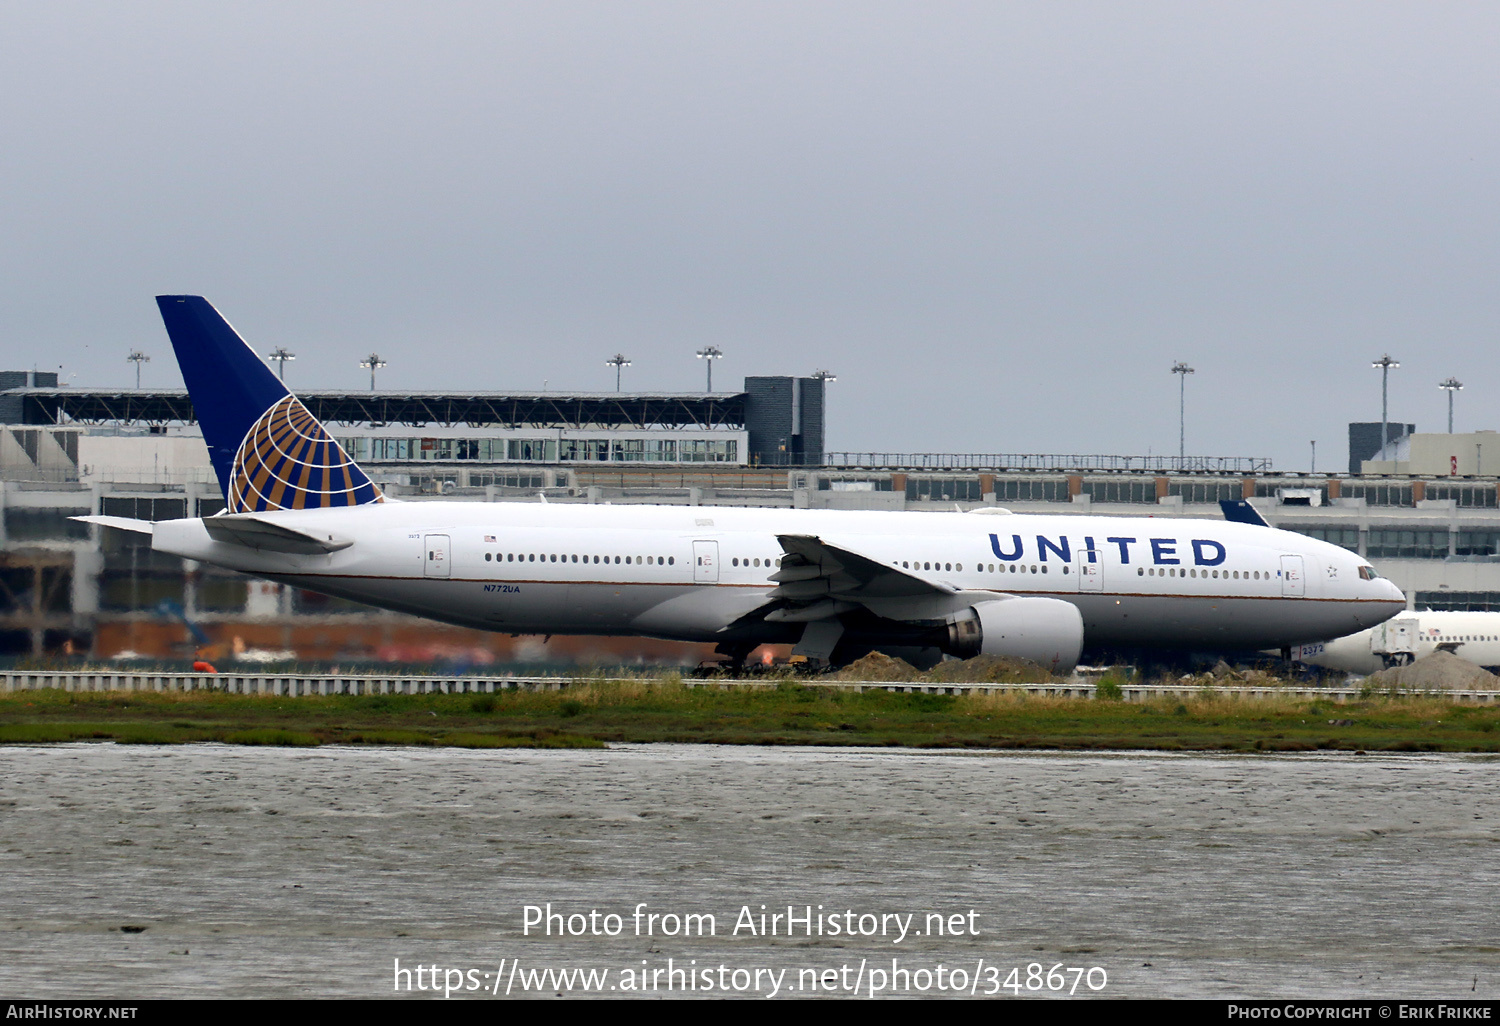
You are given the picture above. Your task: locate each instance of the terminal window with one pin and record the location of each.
(1458, 601)
(1393, 543)
(143, 508)
(943, 489)
(1207, 491)
(702, 450)
(509, 480)
(1477, 543)
(1122, 491)
(1465, 496)
(24, 524)
(1030, 490)
(1379, 495)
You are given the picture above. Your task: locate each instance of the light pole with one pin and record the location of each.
(137, 357)
(1450, 386)
(617, 361)
(281, 355)
(1385, 363)
(1184, 370)
(373, 363)
(1313, 467)
(710, 354)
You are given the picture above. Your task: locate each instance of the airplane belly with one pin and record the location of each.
(604, 608)
(1230, 623)
(525, 607)
(697, 613)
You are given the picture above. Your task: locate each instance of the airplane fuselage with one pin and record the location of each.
(694, 573)
(1472, 636)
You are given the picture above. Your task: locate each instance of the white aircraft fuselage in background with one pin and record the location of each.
(1473, 637)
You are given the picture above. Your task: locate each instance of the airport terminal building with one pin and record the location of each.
(1427, 514)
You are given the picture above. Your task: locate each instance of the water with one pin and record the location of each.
(281, 872)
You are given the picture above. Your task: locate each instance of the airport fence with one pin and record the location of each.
(305, 685)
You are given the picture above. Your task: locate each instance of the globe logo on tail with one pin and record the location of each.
(287, 461)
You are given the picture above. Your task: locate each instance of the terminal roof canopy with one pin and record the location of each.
(716, 410)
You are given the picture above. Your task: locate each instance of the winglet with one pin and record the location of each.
(1239, 511)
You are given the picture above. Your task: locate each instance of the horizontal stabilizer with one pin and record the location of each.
(1239, 511)
(123, 523)
(255, 533)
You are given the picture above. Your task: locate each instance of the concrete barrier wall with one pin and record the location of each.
(297, 686)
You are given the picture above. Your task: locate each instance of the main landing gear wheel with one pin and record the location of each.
(736, 652)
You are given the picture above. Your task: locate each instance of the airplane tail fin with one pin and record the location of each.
(1238, 511)
(268, 451)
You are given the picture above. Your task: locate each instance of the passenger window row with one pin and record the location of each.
(983, 568)
(742, 561)
(513, 557)
(1170, 571)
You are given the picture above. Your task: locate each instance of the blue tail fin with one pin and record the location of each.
(1239, 511)
(267, 449)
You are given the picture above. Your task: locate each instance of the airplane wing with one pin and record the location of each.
(818, 580)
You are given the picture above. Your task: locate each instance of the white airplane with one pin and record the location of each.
(1474, 637)
(835, 583)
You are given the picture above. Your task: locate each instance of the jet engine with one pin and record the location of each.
(1046, 631)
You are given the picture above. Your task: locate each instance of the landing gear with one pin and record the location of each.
(735, 653)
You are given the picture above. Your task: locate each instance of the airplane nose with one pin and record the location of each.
(1393, 593)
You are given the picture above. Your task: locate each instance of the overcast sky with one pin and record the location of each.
(999, 223)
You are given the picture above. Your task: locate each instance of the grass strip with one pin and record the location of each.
(592, 714)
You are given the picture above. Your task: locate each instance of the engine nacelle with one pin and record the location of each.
(1046, 631)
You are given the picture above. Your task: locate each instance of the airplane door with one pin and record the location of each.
(1090, 571)
(437, 550)
(706, 562)
(1292, 583)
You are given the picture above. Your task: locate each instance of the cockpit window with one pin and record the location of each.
(1367, 573)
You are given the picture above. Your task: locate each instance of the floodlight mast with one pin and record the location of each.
(137, 357)
(1385, 363)
(1450, 386)
(617, 361)
(281, 355)
(709, 354)
(1183, 370)
(373, 362)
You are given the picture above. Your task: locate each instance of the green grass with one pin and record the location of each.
(594, 713)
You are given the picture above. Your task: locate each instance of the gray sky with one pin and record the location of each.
(998, 223)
